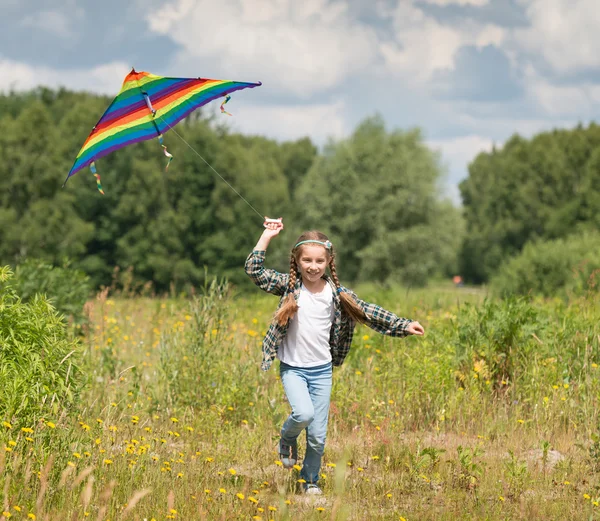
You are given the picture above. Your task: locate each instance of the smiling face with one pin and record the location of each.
(312, 261)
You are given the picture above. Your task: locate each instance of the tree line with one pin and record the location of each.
(378, 194)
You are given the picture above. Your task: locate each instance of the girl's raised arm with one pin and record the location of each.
(266, 279)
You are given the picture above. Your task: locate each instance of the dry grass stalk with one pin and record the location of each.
(171, 500)
(6, 485)
(82, 475)
(65, 474)
(104, 500)
(27, 475)
(133, 501)
(86, 494)
(44, 484)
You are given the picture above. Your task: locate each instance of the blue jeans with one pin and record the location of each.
(308, 389)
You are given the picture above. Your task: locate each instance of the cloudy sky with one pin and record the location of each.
(470, 73)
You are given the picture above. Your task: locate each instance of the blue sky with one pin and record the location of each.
(470, 73)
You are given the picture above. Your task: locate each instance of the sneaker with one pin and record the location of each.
(288, 454)
(313, 490)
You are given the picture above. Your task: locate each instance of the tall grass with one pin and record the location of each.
(492, 415)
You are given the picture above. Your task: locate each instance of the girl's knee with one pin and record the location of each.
(304, 416)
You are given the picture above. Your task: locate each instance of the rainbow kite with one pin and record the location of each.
(146, 107)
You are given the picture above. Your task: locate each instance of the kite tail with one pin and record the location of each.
(223, 111)
(167, 154)
(97, 176)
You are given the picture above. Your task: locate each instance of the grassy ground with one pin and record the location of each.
(492, 415)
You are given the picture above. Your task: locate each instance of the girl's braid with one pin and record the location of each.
(348, 303)
(289, 307)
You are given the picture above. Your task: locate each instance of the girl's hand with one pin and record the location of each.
(272, 229)
(414, 328)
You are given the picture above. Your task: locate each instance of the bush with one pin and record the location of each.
(66, 288)
(38, 360)
(562, 266)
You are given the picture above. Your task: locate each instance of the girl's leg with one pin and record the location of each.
(296, 390)
(319, 388)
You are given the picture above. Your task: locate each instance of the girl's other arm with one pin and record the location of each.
(386, 323)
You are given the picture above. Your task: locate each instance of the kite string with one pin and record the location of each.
(211, 167)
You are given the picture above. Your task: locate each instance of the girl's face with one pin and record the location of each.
(312, 261)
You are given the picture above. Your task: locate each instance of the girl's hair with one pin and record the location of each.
(289, 307)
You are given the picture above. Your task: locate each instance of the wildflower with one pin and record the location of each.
(239, 495)
(389, 496)
(207, 491)
(301, 480)
(365, 337)
(12, 443)
(297, 467)
(279, 463)
(100, 422)
(31, 515)
(331, 465)
(222, 490)
(113, 404)
(585, 496)
(189, 429)
(51, 425)
(521, 421)
(287, 502)
(208, 460)
(174, 420)
(135, 419)
(6, 514)
(501, 498)
(113, 428)
(320, 509)
(108, 462)
(374, 458)
(272, 509)
(85, 427)
(7, 449)
(180, 475)
(26, 430)
(7, 425)
(17, 508)
(358, 373)
(253, 500)
(232, 472)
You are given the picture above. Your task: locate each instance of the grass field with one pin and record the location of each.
(492, 415)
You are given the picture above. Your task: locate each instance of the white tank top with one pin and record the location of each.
(307, 341)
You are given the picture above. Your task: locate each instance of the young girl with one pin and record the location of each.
(311, 331)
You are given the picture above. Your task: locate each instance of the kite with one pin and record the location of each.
(146, 107)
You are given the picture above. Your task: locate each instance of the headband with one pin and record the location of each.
(327, 244)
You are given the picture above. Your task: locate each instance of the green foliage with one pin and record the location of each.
(496, 337)
(64, 286)
(556, 267)
(539, 189)
(376, 196)
(39, 371)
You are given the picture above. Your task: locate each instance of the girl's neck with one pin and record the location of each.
(314, 287)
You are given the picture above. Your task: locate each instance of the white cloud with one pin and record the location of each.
(105, 79)
(304, 47)
(562, 100)
(423, 45)
(564, 32)
(318, 121)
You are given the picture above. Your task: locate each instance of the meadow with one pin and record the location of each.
(492, 415)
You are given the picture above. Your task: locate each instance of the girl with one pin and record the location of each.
(311, 331)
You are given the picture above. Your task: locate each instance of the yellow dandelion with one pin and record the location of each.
(374, 458)
(7, 425)
(239, 495)
(26, 430)
(279, 463)
(51, 425)
(297, 467)
(301, 480)
(365, 337)
(6, 514)
(17, 508)
(272, 509)
(222, 490)
(108, 462)
(253, 500)
(207, 491)
(31, 515)
(320, 509)
(232, 472)
(586, 496)
(12, 443)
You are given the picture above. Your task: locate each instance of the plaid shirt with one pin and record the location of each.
(342, 329)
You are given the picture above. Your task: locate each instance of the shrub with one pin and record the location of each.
(66, 288)
(39, 374)
(562, 266)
